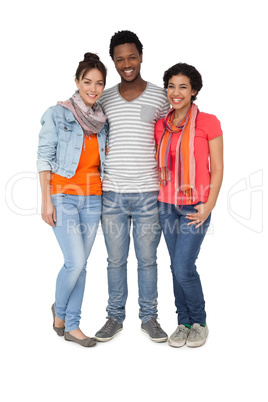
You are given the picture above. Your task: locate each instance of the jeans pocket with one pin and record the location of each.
(58, 195)
(57, 199)
(189, 209)
(110, 200)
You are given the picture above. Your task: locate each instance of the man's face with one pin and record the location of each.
(127, 61)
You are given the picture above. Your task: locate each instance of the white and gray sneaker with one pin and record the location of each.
(197, 336)
(179, 337)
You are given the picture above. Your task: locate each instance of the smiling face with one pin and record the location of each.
(127, 61)
(179, 93)
(91, 86)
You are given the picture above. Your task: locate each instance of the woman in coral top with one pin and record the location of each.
(71, 154)
(190, 163)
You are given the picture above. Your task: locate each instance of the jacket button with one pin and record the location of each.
(102, 149)
(98, 135)
(65, 128)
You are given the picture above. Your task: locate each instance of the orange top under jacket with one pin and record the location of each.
(86, 180)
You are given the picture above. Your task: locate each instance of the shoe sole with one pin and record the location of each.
(195, 345)
(157, 340)
(175, 344)
(78, 343)
(87, 343)
(107, 339)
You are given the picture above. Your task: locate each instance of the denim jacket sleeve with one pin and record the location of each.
(48, 141)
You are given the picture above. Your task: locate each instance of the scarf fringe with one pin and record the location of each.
(163, 175)
(188, 195)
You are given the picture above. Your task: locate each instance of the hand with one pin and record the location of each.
(48, 213)
(199, 217)
(107, 150)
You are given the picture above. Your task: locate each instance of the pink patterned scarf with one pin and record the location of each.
(90, 119)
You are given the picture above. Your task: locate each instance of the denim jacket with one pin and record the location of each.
(61, 142)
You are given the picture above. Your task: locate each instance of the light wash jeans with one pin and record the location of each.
(76, 227)
(183, 243)
(118, 211)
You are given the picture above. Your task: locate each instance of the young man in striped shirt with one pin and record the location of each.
(130, 186)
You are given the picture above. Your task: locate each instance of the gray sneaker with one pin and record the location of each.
(153, 329)
(197, 336)
(108, 331)
(179, 337)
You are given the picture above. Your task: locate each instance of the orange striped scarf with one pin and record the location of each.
(185, 162)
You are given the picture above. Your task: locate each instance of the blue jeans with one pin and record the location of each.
(118, 211)
(76, 227)
(183, 243)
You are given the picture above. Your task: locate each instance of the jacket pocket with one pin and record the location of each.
(64, 131)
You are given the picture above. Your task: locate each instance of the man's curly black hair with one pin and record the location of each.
(187, 70)
(122, 37)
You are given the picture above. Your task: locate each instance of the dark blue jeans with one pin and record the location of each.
(184, 242)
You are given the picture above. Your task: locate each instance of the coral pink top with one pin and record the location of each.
(207, 128)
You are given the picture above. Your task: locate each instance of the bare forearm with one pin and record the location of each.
(44, 178)
(48, 211)
(215, 186)
(216, 168)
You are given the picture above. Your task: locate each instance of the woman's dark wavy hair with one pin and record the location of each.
(91, 61)
(122, 37)
(187, 70)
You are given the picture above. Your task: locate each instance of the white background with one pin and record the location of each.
(42, 43)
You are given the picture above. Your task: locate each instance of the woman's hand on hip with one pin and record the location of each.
(199, 217)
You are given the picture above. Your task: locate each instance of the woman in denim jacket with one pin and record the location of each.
(71, 154)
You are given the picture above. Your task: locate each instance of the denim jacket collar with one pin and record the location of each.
(69, 115)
